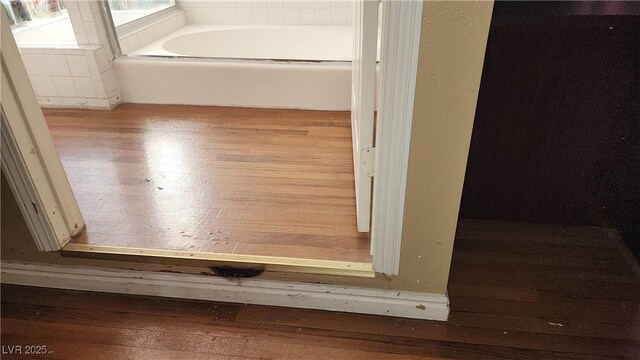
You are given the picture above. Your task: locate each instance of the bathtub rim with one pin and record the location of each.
(226, 60)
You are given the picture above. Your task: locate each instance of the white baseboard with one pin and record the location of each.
(78, 103)
(214, 288)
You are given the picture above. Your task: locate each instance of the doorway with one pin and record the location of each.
(95, 252)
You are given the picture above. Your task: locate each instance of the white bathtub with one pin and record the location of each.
(300, 67)
(274, 42)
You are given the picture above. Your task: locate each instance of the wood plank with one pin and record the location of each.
(175, 177)
(115, 302)
(272, 341)
(515, 338)
(498, 312)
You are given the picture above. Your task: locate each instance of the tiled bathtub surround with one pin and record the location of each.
(154, 30)
(82, 76)
(73, 77)
(268, 12)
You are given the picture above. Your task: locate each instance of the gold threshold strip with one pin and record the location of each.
(204, 259)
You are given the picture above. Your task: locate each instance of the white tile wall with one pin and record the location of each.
(58, 65)
(260, 16)
(276, 15)
(63, 77)
(307, 16)
(291, 16)
(44, 86)
(80, 76)
(37, 63)
(323, 16)
(85, 10)
(150, 32)
(85, 87)
(245, 16)
(102, 60)
(230, 16)
(78, 66)
(81, 18)
(65, 86)
(273, 12)
(110, 82)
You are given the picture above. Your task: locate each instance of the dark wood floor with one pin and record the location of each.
(516, 291)
(210, 179)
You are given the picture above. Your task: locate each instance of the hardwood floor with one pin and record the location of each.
(516, 292)
(210, 179)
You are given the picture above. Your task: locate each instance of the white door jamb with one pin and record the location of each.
(400, 37)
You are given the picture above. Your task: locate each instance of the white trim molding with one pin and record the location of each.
(401, 28)
(214, 288)
(29, 158)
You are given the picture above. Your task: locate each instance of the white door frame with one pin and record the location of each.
(36, 176)
(400, 45)
(363, 99)
(29, 159)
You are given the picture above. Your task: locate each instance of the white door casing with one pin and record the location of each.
(399, 50)
(363, 90)
(29, 159)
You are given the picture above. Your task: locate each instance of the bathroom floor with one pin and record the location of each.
(211, 179)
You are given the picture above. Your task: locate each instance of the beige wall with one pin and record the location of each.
(451, 56)
(452, 48)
